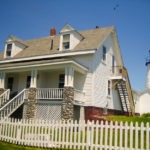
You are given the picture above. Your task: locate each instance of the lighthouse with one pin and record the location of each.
(148, 71)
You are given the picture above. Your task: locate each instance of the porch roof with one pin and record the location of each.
(42, 65)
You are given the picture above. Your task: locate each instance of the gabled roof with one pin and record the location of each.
(67, 28)
(15, 39)
(42, 46)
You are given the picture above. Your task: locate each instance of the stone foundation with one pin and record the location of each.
(30, 105)
(67, 106)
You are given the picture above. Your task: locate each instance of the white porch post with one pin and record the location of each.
(30, 103)
(33, 79)
(82, 115)
(2, 80)
(69, 76)
(67, 106)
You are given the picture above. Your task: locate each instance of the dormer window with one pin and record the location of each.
(66, 41)
(8, 50)
(69, 38)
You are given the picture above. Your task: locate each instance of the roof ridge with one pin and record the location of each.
(96, 29)
(46, 37)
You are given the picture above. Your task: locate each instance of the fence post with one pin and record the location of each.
(18, 132)
(88, 135)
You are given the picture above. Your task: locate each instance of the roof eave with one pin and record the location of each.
(56, 55)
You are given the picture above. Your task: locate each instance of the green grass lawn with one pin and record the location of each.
(129, 119)
(7, 146)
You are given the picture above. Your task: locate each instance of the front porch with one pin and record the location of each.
(46, 92)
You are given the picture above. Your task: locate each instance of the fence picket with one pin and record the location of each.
(126, 135)
(148, 135)
(131, 135)
(101, 135)
(142, 135)
(136, 135)
(121, 135)
(111, 134)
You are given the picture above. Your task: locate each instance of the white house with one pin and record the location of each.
(70, 75)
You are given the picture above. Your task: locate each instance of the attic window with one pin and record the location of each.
(8, 49)
(66, 41)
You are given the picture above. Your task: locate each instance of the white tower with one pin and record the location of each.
(148, 71)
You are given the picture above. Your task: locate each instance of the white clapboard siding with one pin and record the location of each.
(76, 135)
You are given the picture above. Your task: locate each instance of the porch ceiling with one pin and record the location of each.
(42, 65)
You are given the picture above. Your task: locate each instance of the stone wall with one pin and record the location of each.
(30, 105)
(67, 106)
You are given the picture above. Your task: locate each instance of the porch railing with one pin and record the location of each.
(4, 97)
(13, 104)
(79, 96)
(49, 93)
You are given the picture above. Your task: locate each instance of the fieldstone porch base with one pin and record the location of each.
(67, 106)
(30, 105)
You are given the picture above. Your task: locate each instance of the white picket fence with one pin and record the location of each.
(73, 135)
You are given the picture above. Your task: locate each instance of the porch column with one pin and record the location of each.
(82, 114)
(2, 82)
(68, 108)
(33, 79)
(30, 103)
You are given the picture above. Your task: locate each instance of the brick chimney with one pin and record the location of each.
(52, 31)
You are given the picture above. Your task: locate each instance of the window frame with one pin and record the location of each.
(66, 41)
(9, 49)
(109, 88)
(104, 51)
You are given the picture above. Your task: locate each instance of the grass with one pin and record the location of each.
(7, 146)
(124, 119)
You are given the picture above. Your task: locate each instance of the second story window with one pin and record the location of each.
(109, 88)
(104, 53)
(8, 49)
(66, 41)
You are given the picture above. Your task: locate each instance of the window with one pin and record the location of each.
(113, 64)
(66, 41)
(109, 88)
(61, 80)
(8, 49)
(104, 53)
(28, 81)
(10, 83)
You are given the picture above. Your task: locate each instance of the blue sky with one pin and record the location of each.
(27, 19)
